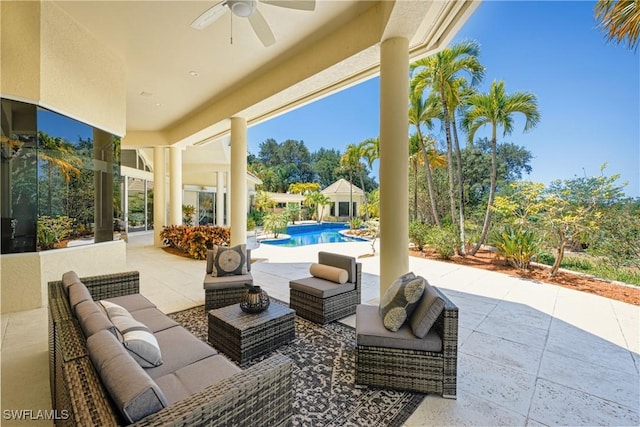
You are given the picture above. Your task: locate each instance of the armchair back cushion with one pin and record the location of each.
(340, 261)
(426, 312)
(212, 254)
(399, 301)
(135, 394)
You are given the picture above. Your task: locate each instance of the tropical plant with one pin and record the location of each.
(53, 230)
(518, 246)
(195, 241)
(303, 187)
(187, 214)
(369, 151)
(496, 108)
(264, 201)
(419, 234)
(355, 223)
(293, 211)
(373, 204)
(443, 240)
(315, 200)
(619, 20)
(275, 223)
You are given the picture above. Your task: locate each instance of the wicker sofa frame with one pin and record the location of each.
(326, 310)
(411, 370)
(258, 396)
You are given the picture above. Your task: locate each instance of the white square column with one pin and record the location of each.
(238, 181)
(175, 186)
(394, 152)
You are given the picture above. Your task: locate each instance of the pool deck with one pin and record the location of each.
(530, 353)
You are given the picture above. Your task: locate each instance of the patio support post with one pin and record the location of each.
(394, 152)
(219, 198)
(159, 201)
(238, 180)
(228, 198)
(175, 185)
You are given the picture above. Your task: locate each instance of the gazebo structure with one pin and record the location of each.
(346, 199)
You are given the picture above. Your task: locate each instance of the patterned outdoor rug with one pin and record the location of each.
(324, 377)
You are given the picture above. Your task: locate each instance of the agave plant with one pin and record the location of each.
(518, 246)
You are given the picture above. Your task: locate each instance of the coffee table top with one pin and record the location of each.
(233, 315)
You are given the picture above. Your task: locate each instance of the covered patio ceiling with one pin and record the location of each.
(184, 84)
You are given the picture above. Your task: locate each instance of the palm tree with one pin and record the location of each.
(497, 109)
(369, 151)
(317, 199)
(350, 160)
(441, 73)
(422, 113)
(620, 20)
(59, 154)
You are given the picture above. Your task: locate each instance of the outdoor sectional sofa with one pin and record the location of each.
(95, 381)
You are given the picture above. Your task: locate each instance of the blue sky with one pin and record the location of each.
(588, 93)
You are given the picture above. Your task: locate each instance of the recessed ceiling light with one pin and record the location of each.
(145, 93)
(158, 104)
(194, 73)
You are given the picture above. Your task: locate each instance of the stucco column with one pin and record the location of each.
(159, 199)
(220, 198)
(238, 180)
(227, 197)
(103, 185)
(175, 186)
(394, 152)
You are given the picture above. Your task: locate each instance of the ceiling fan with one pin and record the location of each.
(249, 9)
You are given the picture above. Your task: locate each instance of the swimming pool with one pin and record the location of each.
(312, 234)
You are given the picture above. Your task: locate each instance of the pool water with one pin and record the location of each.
(313, 234)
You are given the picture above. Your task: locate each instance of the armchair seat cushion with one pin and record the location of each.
(320, 288)
(371, 332)
(226, 282)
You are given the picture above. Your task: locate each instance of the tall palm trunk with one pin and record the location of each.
(447, 129)
(366, 205)
(350, 194)
(492, 190)
(414, 166)
(432, 197)
(460, 186)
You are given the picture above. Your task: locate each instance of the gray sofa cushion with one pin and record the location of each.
(179, 348)
(135, 336)
(371, 332)
(226, 282)
(154, 319)
(427, 311)
(399, 301)
(319, 287)
(135, 394)
(68, 279)
(228, 261)
(78, 293)
(132, 302)
(341, 261)
(92, 318)
(195, 377)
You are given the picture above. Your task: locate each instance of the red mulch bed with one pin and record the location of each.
(488, 260)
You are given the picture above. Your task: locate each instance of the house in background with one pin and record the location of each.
(346, 199)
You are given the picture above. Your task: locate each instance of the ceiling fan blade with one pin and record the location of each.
(209, 16)
(293, 4)
(261, 28)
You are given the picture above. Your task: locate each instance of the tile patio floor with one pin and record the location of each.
(529, 353)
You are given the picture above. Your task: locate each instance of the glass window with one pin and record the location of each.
(60, 180)
(343, 208)
(205, 208)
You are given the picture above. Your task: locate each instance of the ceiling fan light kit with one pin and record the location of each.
(249, 9)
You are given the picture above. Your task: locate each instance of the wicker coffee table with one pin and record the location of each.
(243, 336)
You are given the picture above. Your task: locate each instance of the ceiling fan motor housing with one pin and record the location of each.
(242, 8)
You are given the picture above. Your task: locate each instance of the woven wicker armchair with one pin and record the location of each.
(321, 301)
(411, 370)
(225, 290)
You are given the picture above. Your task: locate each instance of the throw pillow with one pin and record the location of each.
(399, 301)
(426, 312)
(327, 272)
(136, 337)
(229, 261)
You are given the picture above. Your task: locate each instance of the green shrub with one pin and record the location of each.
(53, 230)
(293, 211)
(518, 246)
(195, 241)
(187, 214)
(256, 216)
(419, 234)
(275, 223)
(355, 223)
(251, 224)
(443, 240)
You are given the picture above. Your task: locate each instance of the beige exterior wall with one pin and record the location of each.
(24, 277)
(50, 60)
